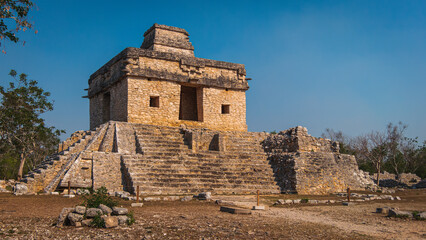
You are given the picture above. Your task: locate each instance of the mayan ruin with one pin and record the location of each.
(212, 120)
(171, 123)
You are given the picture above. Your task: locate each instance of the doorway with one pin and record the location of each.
(190, 107)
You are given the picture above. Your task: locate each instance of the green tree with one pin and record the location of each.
(14, 18)
(25, 139)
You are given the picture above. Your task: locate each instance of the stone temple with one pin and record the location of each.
(171, 123)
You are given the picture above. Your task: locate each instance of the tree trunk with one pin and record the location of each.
(21, 166)
(378, 173)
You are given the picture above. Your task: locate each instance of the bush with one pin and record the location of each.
(304, 200)
(98, 221)
(416, 215)
(130, 218)
(100, 196)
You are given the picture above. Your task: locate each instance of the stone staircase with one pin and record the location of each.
(44, 177)
(166, 164)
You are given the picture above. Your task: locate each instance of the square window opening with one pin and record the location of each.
(225, 108)
(154, 101)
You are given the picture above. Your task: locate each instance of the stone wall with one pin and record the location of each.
(167, 114)
(298, 139)
(307, 165)
(117, 106)
(107, 171)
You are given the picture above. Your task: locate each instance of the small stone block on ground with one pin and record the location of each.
(348, 203)
(69, 195)
(137, 204)
(259, 208)
(235, 210)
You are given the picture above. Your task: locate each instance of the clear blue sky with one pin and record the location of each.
(347, 65)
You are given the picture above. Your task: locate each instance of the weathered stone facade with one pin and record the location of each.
(172, 123)
(307, 165)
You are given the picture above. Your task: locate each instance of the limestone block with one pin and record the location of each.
(63, 216)
(110, 221)
(93, 212)
(80, 209)
(122, 219)
(105, 209)
(119, 211)
(74, 218)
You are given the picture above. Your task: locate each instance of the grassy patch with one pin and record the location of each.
(130, 218)
(98, 222)
(100, 196)
(416, 215)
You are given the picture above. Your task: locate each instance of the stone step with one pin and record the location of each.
(207, 178)
(146, 190)
(182, 158)
(199, 167)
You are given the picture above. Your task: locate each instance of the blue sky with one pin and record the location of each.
(347, 65)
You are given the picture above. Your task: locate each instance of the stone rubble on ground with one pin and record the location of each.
(76, 216)
(355, 197)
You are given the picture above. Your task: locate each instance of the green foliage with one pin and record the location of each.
(388, 150)
(416, 215)
(130, 218)
(24, 138)
(273, 132)
(98, 222)
(13, 18)
(304, 200)
(100, 196)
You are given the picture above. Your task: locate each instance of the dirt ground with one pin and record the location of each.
(32, 217)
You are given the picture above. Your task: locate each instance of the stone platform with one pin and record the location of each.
(178, 160)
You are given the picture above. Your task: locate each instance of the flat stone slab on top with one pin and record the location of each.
(235, 210)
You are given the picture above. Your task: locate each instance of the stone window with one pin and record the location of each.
(225, 108)
(154, 101)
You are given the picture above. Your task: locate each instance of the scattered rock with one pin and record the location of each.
(119, 211)
(86, 222)
(20, 188)
(63, 216)
(384, 210)
(171, 198)
(122, 220)
(105, 209)
(80, 209)
(186, 198)
(398, 213)
(74, 218)
(297, 200)
(110, 221)
(69, 195)
(204, 196)
(288, 201)
(398, 198)
(93, 212)
(235, 210)
(54, 193)
(151, 199)
(137, 204)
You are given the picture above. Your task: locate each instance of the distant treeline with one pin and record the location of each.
(389, 150)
